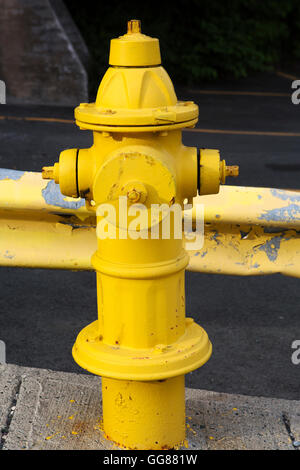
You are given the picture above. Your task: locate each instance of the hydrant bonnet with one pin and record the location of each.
(136, 93)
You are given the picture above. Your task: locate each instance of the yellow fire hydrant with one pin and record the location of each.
(142, 344)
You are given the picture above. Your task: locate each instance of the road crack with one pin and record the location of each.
(287, 425)
(10, 414)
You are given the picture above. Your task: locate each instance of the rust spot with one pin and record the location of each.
(150, 160)
(146, 357)
(107, 111)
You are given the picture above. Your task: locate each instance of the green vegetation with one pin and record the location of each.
(200, 39)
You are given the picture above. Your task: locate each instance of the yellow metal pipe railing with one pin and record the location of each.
(251, 230)
(41, 228)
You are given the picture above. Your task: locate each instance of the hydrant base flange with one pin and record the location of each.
(191, 351)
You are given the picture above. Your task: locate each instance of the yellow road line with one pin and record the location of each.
(286, 75)
(241, 93)
(232, 131)
(196, 129)
(67, 121)
(38, 119)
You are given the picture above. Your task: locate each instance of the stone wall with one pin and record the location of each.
(41, 54)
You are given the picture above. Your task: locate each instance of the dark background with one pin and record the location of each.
(201, 40)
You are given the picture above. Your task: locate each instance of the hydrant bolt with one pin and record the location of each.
(48, 172)
(133, 26)
(133, 195)
(51, 172)
(226, 170)
(232, 170)
(136, 192)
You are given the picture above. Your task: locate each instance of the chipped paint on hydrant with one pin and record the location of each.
(142, 343)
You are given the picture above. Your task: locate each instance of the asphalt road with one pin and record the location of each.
(252, 321)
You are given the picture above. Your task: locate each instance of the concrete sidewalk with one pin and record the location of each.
(42, 409)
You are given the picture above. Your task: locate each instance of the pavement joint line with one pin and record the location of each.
(36, 408)
(196, 129)
(10, 413)
(287, 425)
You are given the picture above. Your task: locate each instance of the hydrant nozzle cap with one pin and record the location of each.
(134, 49)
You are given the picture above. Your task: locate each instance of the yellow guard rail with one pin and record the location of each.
(253, 230)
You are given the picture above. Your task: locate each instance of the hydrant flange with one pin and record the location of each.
(158, 363)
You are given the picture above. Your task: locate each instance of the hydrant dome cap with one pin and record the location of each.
(134, 49)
